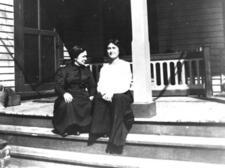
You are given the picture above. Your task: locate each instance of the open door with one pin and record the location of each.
(37, 48)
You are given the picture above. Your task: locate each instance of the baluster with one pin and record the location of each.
(198, 72)
(183, 77)
(161, 73)
(175, 63)
(190, 72)
(154, 73)
(201, 73)
(168, 72)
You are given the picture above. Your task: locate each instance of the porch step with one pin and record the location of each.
(98, 160)
(184, 148)
(35, 162)
(182, 116)
(141, 125)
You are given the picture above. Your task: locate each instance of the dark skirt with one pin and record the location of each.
(74, 116)
(114, 119)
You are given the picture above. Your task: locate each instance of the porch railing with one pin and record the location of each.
(172, 71)
(175, 71)
(177, 74)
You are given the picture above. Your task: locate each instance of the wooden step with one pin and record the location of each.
(33, 162)
(142, 125)
(99, 160)
(186, 148)
(182, 116)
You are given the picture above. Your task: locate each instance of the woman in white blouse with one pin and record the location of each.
(112, 114)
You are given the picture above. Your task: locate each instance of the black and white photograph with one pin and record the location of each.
(112, 83)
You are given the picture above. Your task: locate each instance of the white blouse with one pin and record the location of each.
(115, 77)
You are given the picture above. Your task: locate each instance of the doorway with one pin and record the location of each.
(37, 48)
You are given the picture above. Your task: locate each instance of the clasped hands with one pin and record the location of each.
(69, 98)
(107, 96)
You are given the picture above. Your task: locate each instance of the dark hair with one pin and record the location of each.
(75, 51)
(115, 41)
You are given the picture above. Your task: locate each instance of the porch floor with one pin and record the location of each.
(168, 109)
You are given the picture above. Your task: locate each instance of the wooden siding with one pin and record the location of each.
(7, 72)
(190, 24)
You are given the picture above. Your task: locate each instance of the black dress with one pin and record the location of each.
(113, 119)
(74, 116)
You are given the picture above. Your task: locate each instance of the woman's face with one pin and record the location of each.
(82, 58)
(113, 51)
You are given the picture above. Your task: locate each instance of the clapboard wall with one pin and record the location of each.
(7, 74)
(191, 24)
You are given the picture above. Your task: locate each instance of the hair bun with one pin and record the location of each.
(75, 51)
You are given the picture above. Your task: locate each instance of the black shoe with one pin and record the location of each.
(73, 131)
(64, 134)
(57, 132)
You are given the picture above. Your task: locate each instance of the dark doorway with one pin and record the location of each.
(36, 43)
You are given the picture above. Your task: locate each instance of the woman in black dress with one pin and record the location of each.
(112, 114)
(75, 88)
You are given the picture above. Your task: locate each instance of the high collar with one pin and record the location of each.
(115, 61)
(77, 66)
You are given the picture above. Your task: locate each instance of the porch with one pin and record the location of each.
(198, 121)
(169, 76)
(182, 73)
(185, 130)
(168, 109)
(171, 73)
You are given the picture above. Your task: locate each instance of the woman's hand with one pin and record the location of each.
(91, 98)
(67, 97)
(107, 96)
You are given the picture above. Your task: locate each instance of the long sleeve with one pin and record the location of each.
(60, 82)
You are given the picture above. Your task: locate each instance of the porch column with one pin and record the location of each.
(141, 52)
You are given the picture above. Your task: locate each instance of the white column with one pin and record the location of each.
(141, 52)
